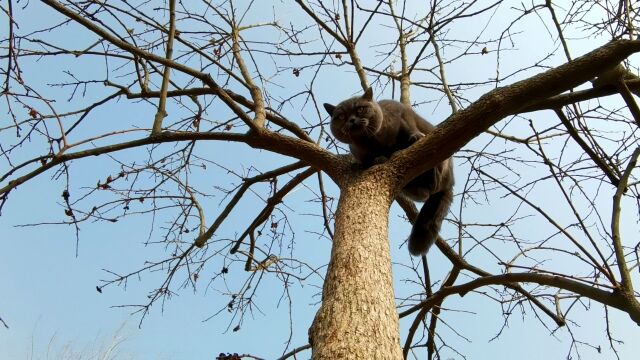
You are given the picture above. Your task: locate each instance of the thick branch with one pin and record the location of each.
(466, 124)
(559, 101)
(612, 299)
(311, 153)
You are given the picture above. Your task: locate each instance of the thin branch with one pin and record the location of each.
(443, 78)
(629, 99)
(10, 50)
(162, 105)
(256, 93)
(294, 351)
(271, 204)
(271, 115)
(626, 283)
(583, 250)
(205, 78)
(202, 239)
(323, 200)
(587, 149)
(405, 80)
(554, 18)
(448, 282)
(570, 203)
(412, 212)
(321, 23)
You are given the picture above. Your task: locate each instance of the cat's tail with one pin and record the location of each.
(427, 225)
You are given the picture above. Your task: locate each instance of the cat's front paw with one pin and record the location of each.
(415, 137)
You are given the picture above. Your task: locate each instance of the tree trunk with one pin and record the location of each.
(358, 317)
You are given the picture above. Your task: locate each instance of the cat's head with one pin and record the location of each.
(356, 118)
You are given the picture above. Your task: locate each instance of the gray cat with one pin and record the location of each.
(375, 130)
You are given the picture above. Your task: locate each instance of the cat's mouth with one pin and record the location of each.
(356, 128)
(358, 125)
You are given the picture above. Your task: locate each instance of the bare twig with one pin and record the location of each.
(626, 284)
(162, 105)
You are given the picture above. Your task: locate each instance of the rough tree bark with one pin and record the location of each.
(358, 317)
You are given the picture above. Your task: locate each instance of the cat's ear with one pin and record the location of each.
(368, 94)
(330, 108)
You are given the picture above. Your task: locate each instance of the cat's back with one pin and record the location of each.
(396, 111)
(393, 107)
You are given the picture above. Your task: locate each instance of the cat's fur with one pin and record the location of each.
(375, 130)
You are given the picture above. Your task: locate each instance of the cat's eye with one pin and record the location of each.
(360, 110)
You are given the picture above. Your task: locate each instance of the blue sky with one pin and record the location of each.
(48, 295)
